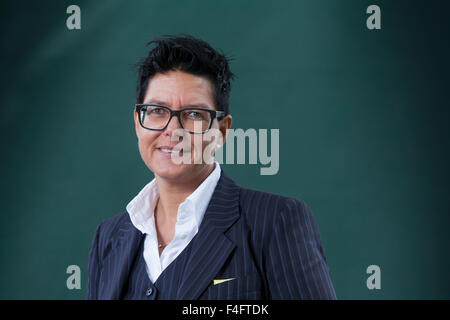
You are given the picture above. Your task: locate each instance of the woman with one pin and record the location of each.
(192, 232)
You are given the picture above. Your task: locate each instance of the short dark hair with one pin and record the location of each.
(191, 55)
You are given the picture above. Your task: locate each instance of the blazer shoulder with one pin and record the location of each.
(108, 227)
(264, 213)
(251, 198)
(265, 206)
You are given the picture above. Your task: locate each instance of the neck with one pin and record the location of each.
(173, 193)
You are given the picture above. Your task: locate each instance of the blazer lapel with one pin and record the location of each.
(210, 247)
(116, 266)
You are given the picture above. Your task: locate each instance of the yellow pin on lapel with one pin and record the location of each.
(217, 281)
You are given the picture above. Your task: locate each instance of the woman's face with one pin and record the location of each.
(176, 90)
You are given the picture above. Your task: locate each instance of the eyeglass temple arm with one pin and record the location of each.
(220, 114)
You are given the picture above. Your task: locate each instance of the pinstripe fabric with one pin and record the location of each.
(165, 287)
(268, 244)
(138, 281)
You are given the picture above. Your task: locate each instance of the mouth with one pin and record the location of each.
(168, 151)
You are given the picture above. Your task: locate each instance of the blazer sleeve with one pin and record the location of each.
(296, 266)
(94, 268)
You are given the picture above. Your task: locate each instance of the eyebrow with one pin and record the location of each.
(198, 105)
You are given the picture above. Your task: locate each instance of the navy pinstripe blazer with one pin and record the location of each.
(269, 244)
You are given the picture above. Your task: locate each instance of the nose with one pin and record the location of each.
(173, 125)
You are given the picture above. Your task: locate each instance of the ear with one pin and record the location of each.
(225, 125)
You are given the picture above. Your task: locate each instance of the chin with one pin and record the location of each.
(169, 170)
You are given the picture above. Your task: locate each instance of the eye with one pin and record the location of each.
(195, 115)
(156, 110)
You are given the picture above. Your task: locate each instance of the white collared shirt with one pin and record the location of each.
(189, 217)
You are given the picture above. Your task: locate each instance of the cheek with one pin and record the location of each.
(146, 144)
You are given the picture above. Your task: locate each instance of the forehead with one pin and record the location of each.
(178, 89)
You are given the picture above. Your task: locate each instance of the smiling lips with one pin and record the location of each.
(167, 151)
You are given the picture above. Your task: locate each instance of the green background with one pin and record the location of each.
(363, 118)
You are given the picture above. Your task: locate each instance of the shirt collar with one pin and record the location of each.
(141, 208)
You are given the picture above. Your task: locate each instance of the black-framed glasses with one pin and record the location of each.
(192, 119)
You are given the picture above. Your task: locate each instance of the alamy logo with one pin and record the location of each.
(73, 22)
(74, 280)
(374, 281)
(374, 20)
(206, 148)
